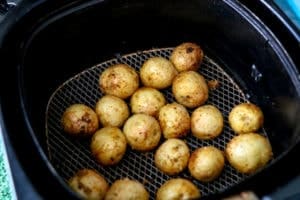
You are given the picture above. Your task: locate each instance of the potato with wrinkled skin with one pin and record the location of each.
(142, 132)
(89, 184)
(245, 118)
(108, 145)
(248, 152)
(80, 120)
(174, 120)
(157, 72)
(190, 89)
(178, 188)
(147, 100)
(206, 163)
(187, 56)
(207, 122)
(119, 80)
(125, 189)
(112, 111)
(172, 156)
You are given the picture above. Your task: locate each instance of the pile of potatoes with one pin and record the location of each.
(134, 112)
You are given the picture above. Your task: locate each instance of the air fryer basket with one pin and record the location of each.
(240, 53)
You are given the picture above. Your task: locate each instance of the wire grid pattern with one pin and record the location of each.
(68, 154)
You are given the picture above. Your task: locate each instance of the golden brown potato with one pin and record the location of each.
(89, 184)
(147, 100)
(245, 118)
(157, 72)
(174, 120)
(206, 122)
(108, 145)
(80, 120)
(248, 152)
(172, 156)
(142, 132)
(112, 111)
(119, 80)
(125, 189)
(206, 163)
(190, 89)
(187, 56)
(179, 189)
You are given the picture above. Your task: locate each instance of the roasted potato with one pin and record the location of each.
(89, 184)
(248, 152)
(119, 80)
(157, 72)
(108, 145)
(80, 120)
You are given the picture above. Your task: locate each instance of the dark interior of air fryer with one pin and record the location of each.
(238, 54)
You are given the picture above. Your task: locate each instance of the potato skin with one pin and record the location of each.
(172, 156)
(179, 189)
(157, 72)
(248, 152)
(206, 163)
(124, 189)
(112, 111)
(142, 132)
(207, 122)
(119, 80)
(80, 120)
(108, 145)
(174, 120)
(190, 89)
(246, 118)
(89, 184)
(187, 56)
(147, 100)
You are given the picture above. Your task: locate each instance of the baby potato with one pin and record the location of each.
(178, 188)
(112, 111)
(157, 72)
(248, 152)
(187, 56)
(206, 122)
(190, 89)
(125, 189)
(108, 145)
(245, 118)
(172, 156)
(174, 120)
(89, 184)
(142, 132)
(206, 163)
(119, 80)
(80, 120)
(147, 100)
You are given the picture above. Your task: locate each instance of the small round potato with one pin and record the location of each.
(206, 163)
(187, 56)
(80, 120)
(248, 152)
(112, 111)
(89, 184)
(178, 188)
(119, 80)
(190, 89)
(125, 189)
(108, 145)
(174, 120)
(157, 72)
(142, 132)
(206, 122)
(245, 118)
(147, 100)
(172, 156)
